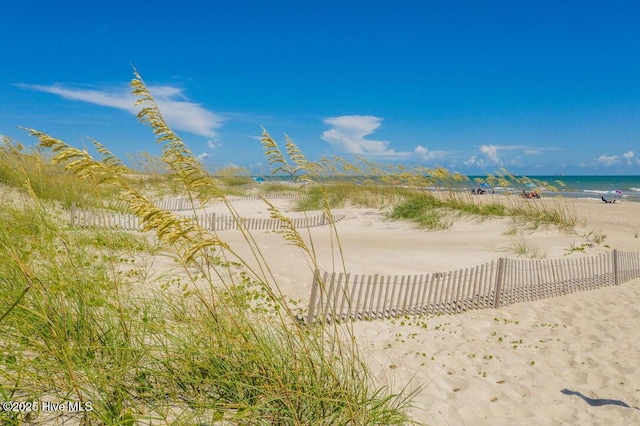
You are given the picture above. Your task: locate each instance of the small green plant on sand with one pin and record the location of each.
(526, 248)
(424, 209)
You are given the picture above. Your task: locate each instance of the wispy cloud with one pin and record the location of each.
(203, 156)
(349, 134)
(474, 161)
(176, 109)
(213, 144)
(612, 160)
(608, 160)
(490, 154)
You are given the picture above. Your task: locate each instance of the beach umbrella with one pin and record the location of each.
(259, 179)
(616, 192)
(484, 186)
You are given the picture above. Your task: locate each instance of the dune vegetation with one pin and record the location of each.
(86, 317)
(89, 316)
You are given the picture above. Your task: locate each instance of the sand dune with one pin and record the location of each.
(567, 360)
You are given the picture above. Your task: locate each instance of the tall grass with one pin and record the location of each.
(431, 210)
(342, 193)
(30, 168)
(211, 339)
(424, 209)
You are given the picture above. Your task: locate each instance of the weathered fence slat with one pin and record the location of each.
(385, 301)
(366, 295)
(440, 292)
(477, 292)
(357, 285)
(420, 297)
(356, 301)
(405, 298)
(345, 296)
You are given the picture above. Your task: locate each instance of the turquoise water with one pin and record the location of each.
(610, 187)
(624, 188)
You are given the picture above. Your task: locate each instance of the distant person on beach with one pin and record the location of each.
(532, 194)
(608, 201)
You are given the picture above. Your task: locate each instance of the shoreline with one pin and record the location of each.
(582, 187)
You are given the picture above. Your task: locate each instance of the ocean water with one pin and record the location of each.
(622, 188)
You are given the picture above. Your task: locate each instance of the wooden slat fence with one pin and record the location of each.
(215, 222)
(212, 221)
(176, 204)
(184, 204)
(343, 296)
(104, 219)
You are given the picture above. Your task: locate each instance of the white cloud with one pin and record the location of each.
(475, 161)
(492, 155)
(179, 113)
(471, 161)
(420, 150)
(203, 156)
(608, 160)
(213, 144)
(349, 132)
(425, 154)
(120, 98)
(491, 152)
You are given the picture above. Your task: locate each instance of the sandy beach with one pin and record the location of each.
(566, 360)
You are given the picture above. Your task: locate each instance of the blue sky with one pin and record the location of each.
(538, 87)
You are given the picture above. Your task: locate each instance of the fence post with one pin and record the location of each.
(73, 213)
(502, 264)
(616, 280)
(314, 292)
